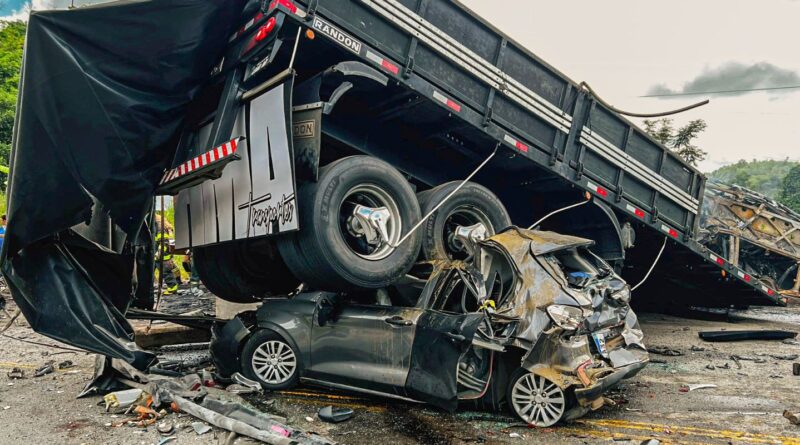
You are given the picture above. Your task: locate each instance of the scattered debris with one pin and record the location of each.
(166, 440)
(710, 367)
(791, 341)
(747, 358)
(335, 415)
(122, 400)
(785, 357)
(664, 350)
(200, 428)
(793, 417)
(795, 368)
(651, 442)
(746, 335)
(690, 388)
(66, 364)
(243, 385)
(515, 435)
(695, 348)
(166, 427)
(16, 374)
(45, 369)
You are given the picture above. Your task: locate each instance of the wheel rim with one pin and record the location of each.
(462, 216)
(372, 196)
(274, 362)
(537, 400)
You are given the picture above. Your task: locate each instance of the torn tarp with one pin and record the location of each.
(103, 93)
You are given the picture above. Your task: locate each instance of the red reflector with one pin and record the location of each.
(720, 261)
(770, 292)
(522, 147)
(289, 4)
(602, 192)
(673, 233)
(639, 213)
(454, 106)
(390, 66)
(265, 30)
(747, 278)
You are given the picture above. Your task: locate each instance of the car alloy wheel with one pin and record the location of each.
(537, 400)
(274, 362)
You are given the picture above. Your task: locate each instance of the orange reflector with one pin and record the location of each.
(310, 34)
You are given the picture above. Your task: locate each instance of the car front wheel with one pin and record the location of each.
(269, 359)
(535, 399)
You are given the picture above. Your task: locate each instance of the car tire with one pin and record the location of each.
(265, 358)
(472, 204)
(326, 253)
(244, 271)
(546, 411)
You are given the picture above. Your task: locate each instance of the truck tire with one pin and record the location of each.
(328, 253)
(244, 271)
(471, 205)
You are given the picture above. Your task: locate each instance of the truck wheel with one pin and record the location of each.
(244, 271)
(471, 205)
(332, 250)
(270, 360)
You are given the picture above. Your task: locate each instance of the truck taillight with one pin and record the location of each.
(265, 30)
(288, 4)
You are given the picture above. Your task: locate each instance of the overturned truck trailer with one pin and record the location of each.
(754, 232)
(304, 142)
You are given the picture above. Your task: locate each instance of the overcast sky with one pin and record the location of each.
(627, 49)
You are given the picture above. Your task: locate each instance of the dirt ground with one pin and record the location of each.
(745, 407)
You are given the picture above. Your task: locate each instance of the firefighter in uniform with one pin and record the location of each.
(163, 255)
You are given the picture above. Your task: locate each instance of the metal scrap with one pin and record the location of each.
(664, 350)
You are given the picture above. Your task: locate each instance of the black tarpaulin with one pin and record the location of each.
(103, 93)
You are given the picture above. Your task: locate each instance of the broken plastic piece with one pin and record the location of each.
(690, 388)
(746, 335)
(244, 381)
(334, 415)
(122, 399)
(200, 428)
(45, 369)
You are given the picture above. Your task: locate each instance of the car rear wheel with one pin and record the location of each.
(336, 248)
(472, 204)
(535, 399)
(270, 360)
(244, 271)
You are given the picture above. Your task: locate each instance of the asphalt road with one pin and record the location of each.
(745, 407)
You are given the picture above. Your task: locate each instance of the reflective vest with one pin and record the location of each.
(165, 254)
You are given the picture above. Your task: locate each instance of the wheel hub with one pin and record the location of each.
(538, 401)
(274, 362)
(371, 223)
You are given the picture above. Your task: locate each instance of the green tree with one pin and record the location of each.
(790, 189)
(678, 140)
(12, 39)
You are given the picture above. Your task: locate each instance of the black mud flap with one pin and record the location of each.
(440, 341)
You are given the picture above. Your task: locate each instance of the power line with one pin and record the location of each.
(788, 87)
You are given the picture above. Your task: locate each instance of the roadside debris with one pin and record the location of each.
(795, 368)
(746, 335)
(334, 415)
(45, 369)
(200, 428)
(793, 417)
(122, 400)
(197, 396)
(243, 385)
(690, 388)
(16, 374)
(664, 350)
(746, 358)
(66, 364)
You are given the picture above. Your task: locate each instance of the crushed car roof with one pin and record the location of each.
(541, 243)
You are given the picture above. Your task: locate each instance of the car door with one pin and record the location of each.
(364, 346)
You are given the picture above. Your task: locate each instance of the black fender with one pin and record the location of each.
(318, 97)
